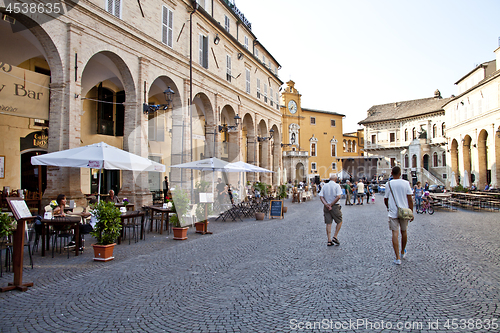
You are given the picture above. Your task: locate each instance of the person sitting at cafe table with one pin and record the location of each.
(59, 211)
(112, 197)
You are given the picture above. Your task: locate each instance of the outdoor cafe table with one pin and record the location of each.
(131, 215)
(164, 213)
(72, 221)
(128, 206)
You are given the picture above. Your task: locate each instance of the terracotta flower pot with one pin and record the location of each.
(259, 216)
(180, 233)
(103, 252)
(200, 227)
(285, 209)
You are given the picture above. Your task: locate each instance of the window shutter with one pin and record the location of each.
(205, 52)
(117, 5)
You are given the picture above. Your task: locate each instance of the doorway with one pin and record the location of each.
(110, 181)
(33, 177)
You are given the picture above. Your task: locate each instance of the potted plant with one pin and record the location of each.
(7, 225)
(282, 194)
(106, 230)
(179, 206)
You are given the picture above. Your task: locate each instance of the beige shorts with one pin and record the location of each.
(395, 224)
(334, 214)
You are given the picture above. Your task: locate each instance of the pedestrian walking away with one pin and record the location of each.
(348, 192)
(398, 194)
(361, 192)
(330, 196)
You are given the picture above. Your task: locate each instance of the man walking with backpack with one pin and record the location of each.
(398, 193)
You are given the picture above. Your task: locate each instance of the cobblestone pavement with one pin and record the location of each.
(275, 276)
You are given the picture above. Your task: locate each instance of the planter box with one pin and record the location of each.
(200, 227)
(180, 233)
(103, 252)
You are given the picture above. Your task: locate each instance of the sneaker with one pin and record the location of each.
(403, 255)
(397, 261)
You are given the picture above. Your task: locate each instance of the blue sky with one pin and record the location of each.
(346, 56)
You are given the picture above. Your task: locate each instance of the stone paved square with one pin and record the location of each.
(275, 276)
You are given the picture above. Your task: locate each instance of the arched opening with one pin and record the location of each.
(263, 148)
(300, 173)
(482, 155)
(435, 161)
(106, 85)
(425, 161)
(414, 161)
(276, 156)
(229, 138)
(407, 162)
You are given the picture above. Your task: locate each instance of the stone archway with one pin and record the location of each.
(482, 156)
(300, 173)
(229, 149)
(276, 156)
(263, 149)
(425, 162)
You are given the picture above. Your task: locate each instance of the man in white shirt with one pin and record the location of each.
(330, 195)
(399, 194)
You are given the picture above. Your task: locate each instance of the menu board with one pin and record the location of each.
(276, 208)
(20, 209)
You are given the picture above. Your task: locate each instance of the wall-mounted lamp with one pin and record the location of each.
(146, 108)
(240, 56)
(264, 138)
(216, 39)
(225, 127)
(474, 145)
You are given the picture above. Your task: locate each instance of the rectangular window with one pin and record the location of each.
(228, 68)
(392, 137)
(334, 150)
(257, 53)
(313, 149)
(247, 80)
(313, 120)
(265, 93)
(201, 3)
(246, 42)
(313, 166)
(258, 88)
(374, 139)
(334, 166)
(204, 51)
(114, 7)
(167, 26)
(332, 122)
(271, 96)
(227, 23)
(156, 127)
(277, 101)
(393, 162)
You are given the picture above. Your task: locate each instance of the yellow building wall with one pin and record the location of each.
(324, 132)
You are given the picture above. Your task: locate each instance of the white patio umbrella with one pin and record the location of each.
(453, 182)
(98, 156)
(249, 168)
(465, 181)
(210, 164)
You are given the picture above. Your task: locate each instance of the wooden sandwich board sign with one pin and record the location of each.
(276, 209)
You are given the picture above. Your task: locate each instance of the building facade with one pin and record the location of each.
(410, 134)
(105, 61)
(312, 140)
(473, 127)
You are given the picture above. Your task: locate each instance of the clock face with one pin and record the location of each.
(292, 106)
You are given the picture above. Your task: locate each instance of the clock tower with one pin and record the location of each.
(291, 113)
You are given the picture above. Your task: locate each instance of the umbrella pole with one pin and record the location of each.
(99, 186)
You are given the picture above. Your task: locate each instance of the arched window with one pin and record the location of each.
(414, 133)
(406, 134)
(444, 158)
(334, 149)
(434, 130)
(435, 162)
(443, 129)
(414, 161)
(345, 146)
(354, 146)
(407, 162)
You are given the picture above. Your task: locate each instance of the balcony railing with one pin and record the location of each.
(296, 153)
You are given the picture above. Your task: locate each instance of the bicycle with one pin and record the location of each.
(426, 207)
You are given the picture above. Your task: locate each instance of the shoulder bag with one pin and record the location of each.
(403, 213)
